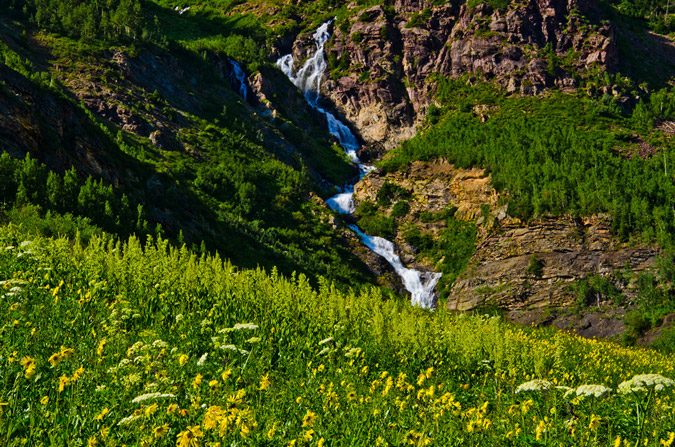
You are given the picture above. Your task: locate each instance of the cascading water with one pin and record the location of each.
(240, 77)
(308, 79)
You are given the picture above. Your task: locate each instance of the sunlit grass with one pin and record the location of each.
(115, 344)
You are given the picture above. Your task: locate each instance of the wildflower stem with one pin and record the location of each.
(641, 423)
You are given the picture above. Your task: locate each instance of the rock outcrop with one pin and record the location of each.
(435, 186)
(531, 266)
(383, 59)
(37, 122)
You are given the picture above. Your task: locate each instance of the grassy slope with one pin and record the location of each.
(349, 368)
(244, 194)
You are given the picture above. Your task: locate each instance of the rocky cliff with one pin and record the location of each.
(383, 59)
(521, 267)
(528, 266)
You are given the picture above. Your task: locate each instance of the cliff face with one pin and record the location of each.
(520, 267)
(528, 266)
(38, 122)
(383, 59)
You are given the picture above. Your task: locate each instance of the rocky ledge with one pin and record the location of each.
(532, 266)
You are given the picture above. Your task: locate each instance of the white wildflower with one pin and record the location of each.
(643, 382)
(592, 390)
(234, 348)
(100, 388)
(179, 317)
(134, 348)
(353, 352)
(326, 340)
(534, 385)
(160, 344)
(323, 351)
(150, 396)
(123, 363)
(128, 420)
(253, 340)
(202, 359)
(249, 326)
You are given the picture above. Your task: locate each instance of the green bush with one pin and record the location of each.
(400, 209)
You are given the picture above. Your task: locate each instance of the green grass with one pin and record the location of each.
(250, 357)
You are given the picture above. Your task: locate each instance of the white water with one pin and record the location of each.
(239, 76)
(308, 79)
(419, 284)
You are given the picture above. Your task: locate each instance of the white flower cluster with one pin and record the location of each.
(202, 359)
(644, 382)
(240, 326)
(149, 396)
(128, 420)
(592, 390)
(234, 348)
(160, 344)
(534, 385)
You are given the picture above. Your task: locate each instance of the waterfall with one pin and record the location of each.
(308, 80)
(240, 77)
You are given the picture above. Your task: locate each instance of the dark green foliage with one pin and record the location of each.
(535, 266)
(558, 154)
(390, 192)
(400, 209)
(366, 208)
(596, 289)
(636, 323)
(421, 242)
(451, 253)
(33, 188)
(377, 225)
(357, 37)
(419, 19)
(109, 20)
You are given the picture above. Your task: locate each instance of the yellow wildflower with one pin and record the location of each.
(271, 432)
(668, 442)
(150, 410)
(617, 441)
(92, 441)
(55, 359)
(264, 382)
(104, 432)
(226, 374)
(64, 381)
(541, 429)
(197, 381)
(102, 414)
(212, 416)
(160, 431)
(99, 350)
(213, 384)
(594, 423)
(66, 353)
(78, 374)
(189, 437)
(309, 419)
(308, 435)
(182, 360)
(171, 409)
(44, 400)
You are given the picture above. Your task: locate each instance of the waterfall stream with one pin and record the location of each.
(240, 77)
(308, 79)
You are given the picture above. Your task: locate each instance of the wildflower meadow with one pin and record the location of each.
(130, 344)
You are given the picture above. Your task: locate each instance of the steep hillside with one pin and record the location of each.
(523, 149)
